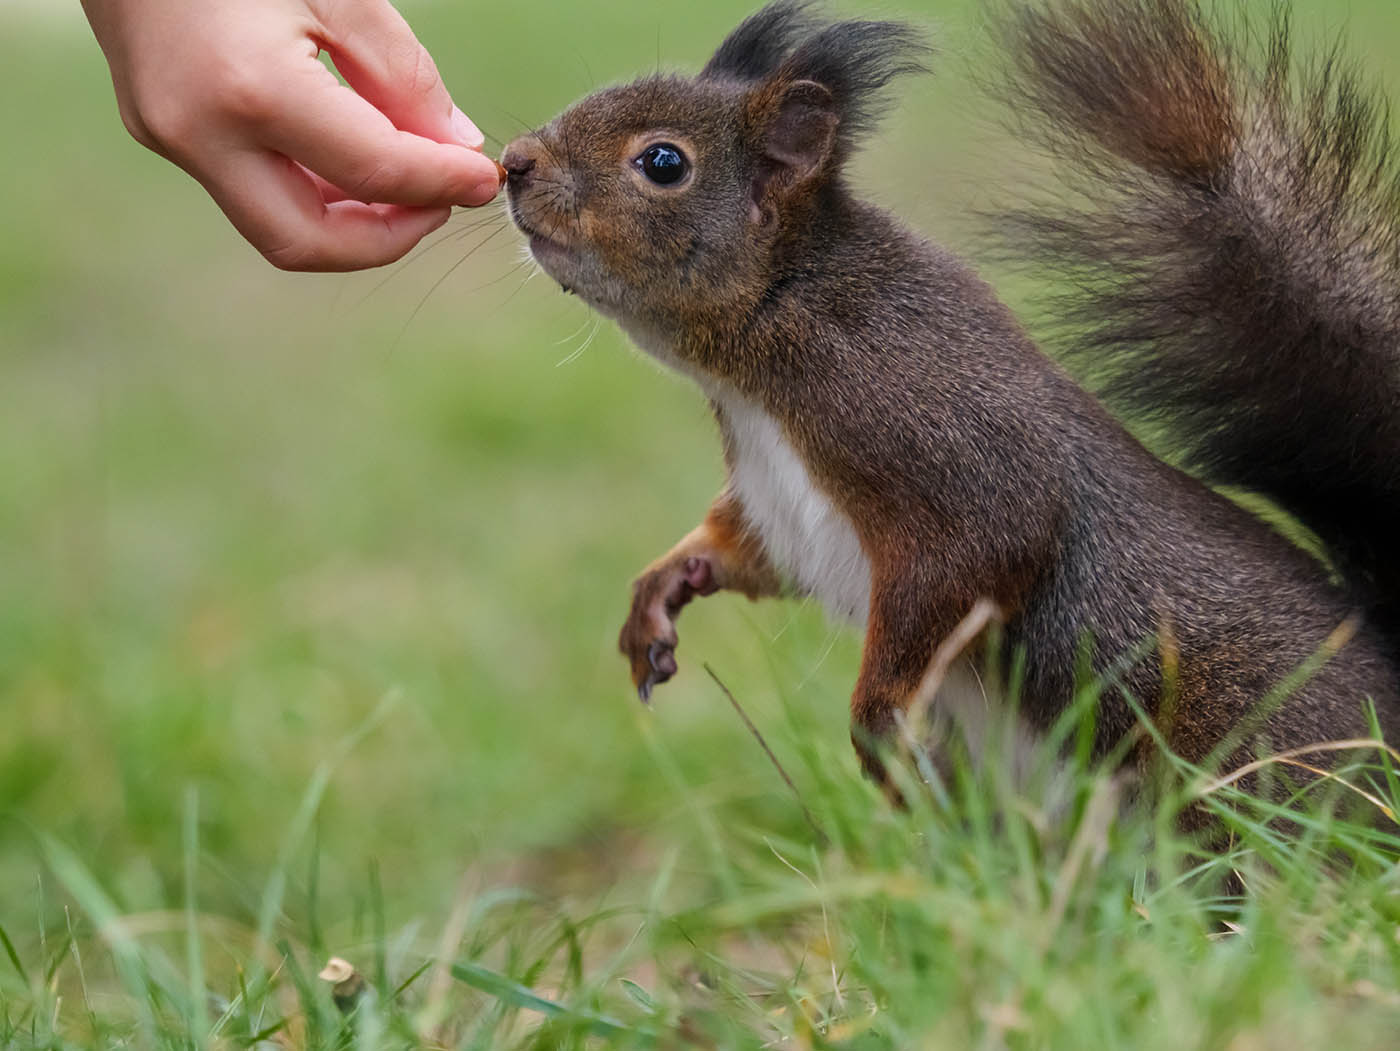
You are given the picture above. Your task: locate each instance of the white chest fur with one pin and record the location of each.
(804, 534)
(810, 541)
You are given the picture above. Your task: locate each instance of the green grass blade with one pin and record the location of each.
(194, 950)
(14, 956)
(276, 889)
(514, 994)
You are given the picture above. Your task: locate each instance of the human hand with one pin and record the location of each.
(315, 176)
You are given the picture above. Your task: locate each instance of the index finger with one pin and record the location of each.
(377, 53)
(342, 137)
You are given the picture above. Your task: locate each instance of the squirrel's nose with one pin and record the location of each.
(518, 165)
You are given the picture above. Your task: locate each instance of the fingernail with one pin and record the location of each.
(468, 134)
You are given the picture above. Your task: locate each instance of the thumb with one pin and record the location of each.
(375, 50)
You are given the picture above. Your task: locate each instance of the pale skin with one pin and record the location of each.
(313, 175)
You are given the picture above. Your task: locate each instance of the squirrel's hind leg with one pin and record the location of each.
(720, 554)
(909, 617)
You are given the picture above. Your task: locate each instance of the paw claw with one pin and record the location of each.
(648, 637)
(662, 658)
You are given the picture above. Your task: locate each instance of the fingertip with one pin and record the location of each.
(480, 194)
(483, 183)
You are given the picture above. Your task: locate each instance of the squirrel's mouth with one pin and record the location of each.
(541, 245)
(555, 257)
(561, 258)
(544, 248)
(538, 238)
(557, 260)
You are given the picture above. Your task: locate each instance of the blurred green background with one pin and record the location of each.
(239, 507)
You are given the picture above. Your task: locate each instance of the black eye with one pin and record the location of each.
(663, 164)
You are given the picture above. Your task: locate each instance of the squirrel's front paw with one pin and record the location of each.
(648, 638)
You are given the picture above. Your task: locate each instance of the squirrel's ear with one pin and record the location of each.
(795, 122)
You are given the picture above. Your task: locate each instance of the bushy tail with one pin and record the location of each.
(1231, 243)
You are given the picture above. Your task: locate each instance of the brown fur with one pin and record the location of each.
(967, 463)
(1161, 95)
(720, 554)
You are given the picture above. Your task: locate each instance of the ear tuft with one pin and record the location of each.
(758, 46)
(856, 62)
(813, 89)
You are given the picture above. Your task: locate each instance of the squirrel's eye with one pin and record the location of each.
(663, 164)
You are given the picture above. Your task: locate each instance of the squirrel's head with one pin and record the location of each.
(670, 199)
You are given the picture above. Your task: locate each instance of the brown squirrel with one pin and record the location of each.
(898, 448)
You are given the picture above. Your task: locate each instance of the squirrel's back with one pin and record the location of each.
(1231, 239)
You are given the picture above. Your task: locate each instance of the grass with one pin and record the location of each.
(1041, 912)
(310, 586)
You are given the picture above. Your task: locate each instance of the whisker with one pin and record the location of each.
(424, 249)
(528, 129)
(530, 274)
(568, 153)
(500, 142)
(537, 181)
(574, 334)
(498, 221)
(587, 70)
(438, 283)
(535, 134)
(497, 280)
(597, 327)
(832, 638)
(481, 217)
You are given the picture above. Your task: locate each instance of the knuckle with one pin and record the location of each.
(244, 95)
(136, 125)
(229, 94)
(375, 183)
(298, 257)
(292, 259)
(409, 73)
(162, 122)
(420, 79)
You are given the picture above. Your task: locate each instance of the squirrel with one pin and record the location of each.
(899, 448)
